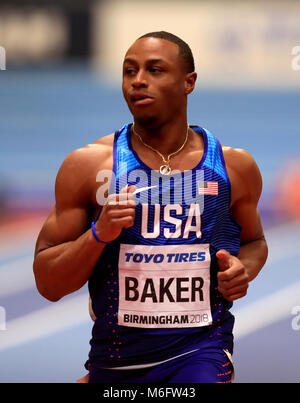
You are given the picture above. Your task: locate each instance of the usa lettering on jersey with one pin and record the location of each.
(182, 226)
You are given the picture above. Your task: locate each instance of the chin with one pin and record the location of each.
(147, 121)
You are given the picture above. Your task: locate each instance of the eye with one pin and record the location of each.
(155, 70)
(129, 71)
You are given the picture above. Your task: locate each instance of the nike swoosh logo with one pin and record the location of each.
(144, 188)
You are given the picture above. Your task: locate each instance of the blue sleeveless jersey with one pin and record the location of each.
(154, 289)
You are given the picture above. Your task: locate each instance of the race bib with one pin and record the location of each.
(164, 286)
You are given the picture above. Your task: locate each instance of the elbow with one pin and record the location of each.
(48, 292)
(265, 249)
(262, 250)
(50, 297)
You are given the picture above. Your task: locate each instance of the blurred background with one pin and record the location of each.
(60, 88)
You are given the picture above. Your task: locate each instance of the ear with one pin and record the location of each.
(190, 81)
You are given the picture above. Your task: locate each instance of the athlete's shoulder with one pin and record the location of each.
(240, 160)
(85, 158)
(81, 165)
(105, 141)
(244, 174)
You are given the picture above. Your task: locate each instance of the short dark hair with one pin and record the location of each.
(184, 49)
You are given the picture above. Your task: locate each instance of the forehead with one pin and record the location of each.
(153, 48)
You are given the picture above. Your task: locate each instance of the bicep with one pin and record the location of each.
(247, 215)
(248, 187)
(69, 217)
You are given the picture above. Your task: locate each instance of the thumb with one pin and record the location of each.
(131, 189)
(224, 259)
(126, 194)
(128, 189)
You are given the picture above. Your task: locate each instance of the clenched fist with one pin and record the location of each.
(117, 213)
(233, 280)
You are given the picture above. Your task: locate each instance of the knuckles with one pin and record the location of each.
(234, 282)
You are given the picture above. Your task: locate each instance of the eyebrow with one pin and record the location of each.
(149, 61)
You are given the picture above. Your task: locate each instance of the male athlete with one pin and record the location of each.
(161, 220)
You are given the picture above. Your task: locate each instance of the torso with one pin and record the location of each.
(100, 156)
(167, 232)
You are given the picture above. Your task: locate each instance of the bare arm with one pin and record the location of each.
(66, 250)
(253, 251)
(236, 273)
(64, 268)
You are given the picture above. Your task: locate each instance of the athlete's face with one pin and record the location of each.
(155, 83)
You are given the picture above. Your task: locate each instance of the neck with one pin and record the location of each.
(166, 138)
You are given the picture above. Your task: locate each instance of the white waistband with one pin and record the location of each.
(152, 364)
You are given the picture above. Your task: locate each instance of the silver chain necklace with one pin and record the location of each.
(164, 169)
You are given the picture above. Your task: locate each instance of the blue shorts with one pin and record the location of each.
(210, 365)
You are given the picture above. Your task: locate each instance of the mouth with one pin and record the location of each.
(141, 99)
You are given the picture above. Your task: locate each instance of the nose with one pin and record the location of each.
(139, 80)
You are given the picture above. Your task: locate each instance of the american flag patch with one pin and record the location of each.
(207, 188)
